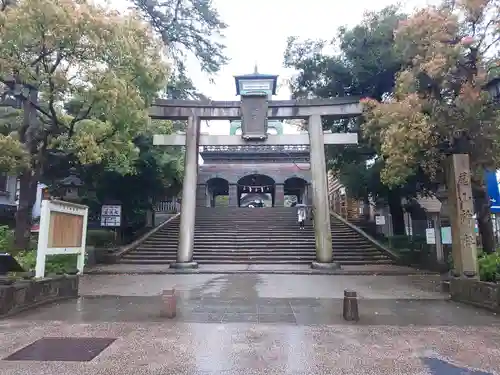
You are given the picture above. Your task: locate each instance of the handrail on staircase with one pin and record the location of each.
(127, 248)
(360, 231)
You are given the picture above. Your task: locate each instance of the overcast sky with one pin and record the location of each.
(258, 30)
(257, 33)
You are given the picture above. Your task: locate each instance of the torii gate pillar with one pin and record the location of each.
(322, 228)
(188, 205)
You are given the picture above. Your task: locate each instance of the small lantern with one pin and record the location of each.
(255, 91)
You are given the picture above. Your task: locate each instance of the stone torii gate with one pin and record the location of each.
(254, 110)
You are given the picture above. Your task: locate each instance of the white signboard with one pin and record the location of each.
(111, 215)
(430, 236)
(446, 235)
(47, 245)
(380, 220)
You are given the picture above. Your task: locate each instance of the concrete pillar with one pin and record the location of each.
(279, 195)
(233, 195)
(309, 195)
(322, 230)
(464, 251)
(303, 195)
(189, 189)
(208, 197)
(436, 220)
(150, 218)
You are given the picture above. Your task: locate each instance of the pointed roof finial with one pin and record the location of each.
(255, 70)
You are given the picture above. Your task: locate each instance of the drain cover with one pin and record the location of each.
(76, 349)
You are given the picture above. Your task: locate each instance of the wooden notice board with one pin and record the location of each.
(65, 230)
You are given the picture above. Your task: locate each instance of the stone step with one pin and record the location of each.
(230, 244)
(217, 252)
(167, 262)
(303, 235)
(255, 241)
(259, 236)
(250, 244)
(263, 223)
(263, 257)
(266, 219)
(278, 231)
(235, 255)
(263, 250)
(292, 245)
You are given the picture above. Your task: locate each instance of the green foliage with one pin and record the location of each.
(85, 77)
(439, 105)
(489, 267)
(408, 243)
(59, 264)
(364, 64)
(157, 173)
(6, 237)
(100, 238)
(55, 264)
(222, 200)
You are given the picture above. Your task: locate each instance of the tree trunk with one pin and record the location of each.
(28, 181)
(397, 213)
(483, 216)
(27, 198)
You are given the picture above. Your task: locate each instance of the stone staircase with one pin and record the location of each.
(231, 235)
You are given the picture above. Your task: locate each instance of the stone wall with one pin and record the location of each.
(26, 294)
(477, 293)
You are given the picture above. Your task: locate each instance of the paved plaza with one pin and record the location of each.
(252, 324)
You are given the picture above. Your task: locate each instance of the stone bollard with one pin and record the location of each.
(169, 304)
(351, 312)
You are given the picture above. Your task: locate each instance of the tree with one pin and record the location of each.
(188, 28)
(158, 172)
(85, 77)
(365, 65)
(439, 105)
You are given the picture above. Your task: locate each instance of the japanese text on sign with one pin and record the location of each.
(111, 215)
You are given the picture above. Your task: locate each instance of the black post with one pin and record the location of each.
(351, 312)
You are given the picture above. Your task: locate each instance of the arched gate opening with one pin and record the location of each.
(256, 190)
(218, 191)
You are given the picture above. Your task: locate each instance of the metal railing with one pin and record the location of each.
(168, 207)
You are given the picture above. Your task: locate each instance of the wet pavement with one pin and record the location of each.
(252, 324)
(297, 269)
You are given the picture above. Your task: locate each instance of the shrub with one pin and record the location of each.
(55, 264)
(100, 238)
(408, 243)
(489, 267)
(6, 237)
